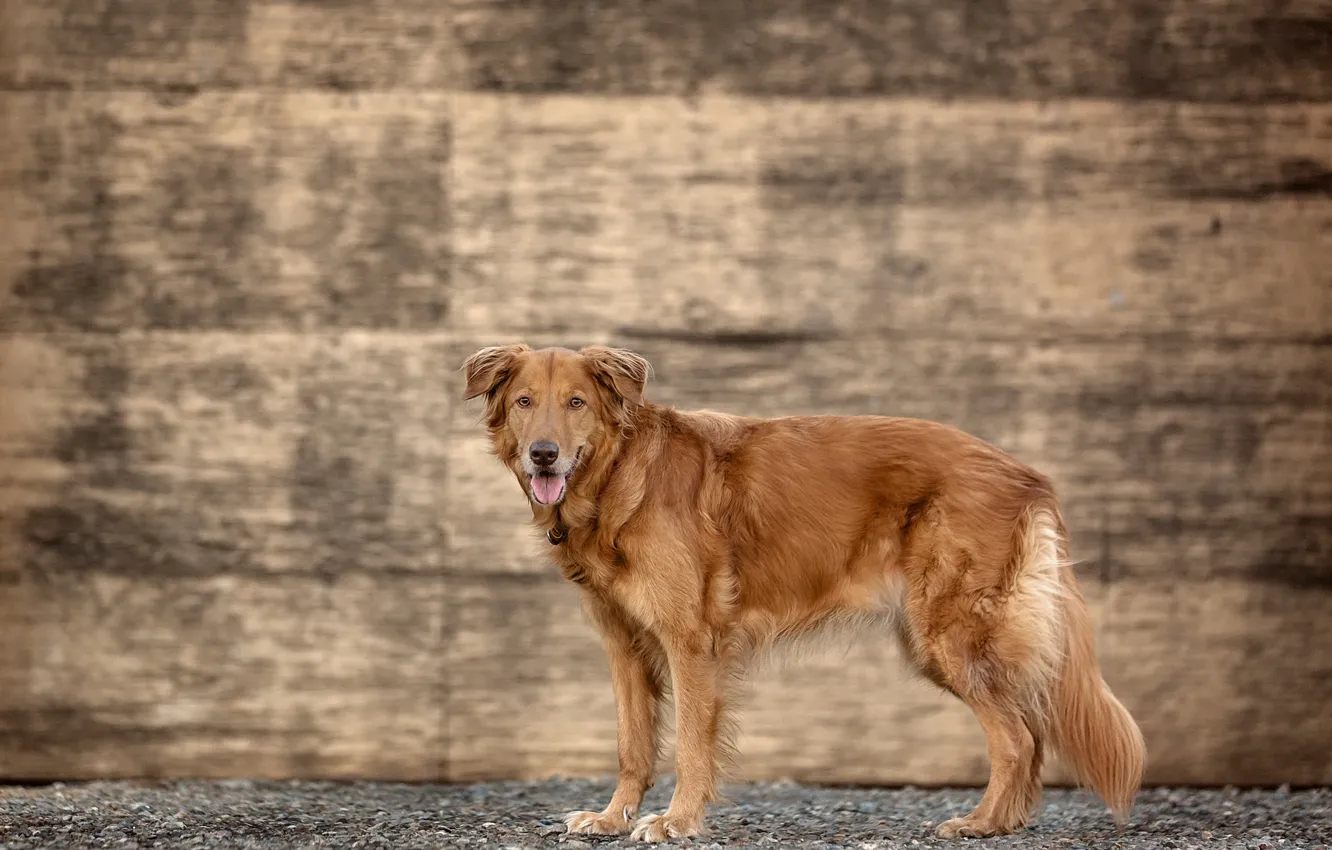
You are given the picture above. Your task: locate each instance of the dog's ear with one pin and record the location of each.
(490, 367)
(621, 371)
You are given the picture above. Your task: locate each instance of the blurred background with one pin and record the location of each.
(248, 528)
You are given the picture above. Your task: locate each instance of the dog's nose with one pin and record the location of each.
(544, 453)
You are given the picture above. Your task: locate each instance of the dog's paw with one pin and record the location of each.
(967, 827)
(598, 823)
(655, 829)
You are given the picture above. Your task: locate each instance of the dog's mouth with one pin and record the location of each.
(549, 486)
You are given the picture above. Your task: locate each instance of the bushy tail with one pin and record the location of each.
(1091, 729)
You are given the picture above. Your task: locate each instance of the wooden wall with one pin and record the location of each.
(248, 528)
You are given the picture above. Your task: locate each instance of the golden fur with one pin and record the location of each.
(701, 538)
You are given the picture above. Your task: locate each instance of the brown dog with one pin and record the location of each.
(700, 538)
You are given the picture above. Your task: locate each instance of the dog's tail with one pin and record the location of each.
(1091, 729)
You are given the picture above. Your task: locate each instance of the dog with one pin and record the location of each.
(700, 538)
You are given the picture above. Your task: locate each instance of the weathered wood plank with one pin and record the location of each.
(165, 44)
(1221, 50)
(185, 455)
(835, 218)
(822, 152)
(488, 520)
(1173, 456)
(530, 695)
(228, 210)
(220, 558)
(150, 675)
(352, 46)
(1227, 678)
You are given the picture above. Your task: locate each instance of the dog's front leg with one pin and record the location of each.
(637, 696)
(694, 668)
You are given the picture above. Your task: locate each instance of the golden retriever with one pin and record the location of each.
(700, 538)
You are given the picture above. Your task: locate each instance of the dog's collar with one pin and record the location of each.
(558, 532)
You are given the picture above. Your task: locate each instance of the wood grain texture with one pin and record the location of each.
(528, 692)
(247, 527)
(220, 558)
(807, 220)
(185, 46)
(197, 455)
(1227, 678)
(145, 675)
(242, 211)
(1219, 50)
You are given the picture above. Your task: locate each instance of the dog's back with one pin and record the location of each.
(840, 511)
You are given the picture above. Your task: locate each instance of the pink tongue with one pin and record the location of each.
(548, 488)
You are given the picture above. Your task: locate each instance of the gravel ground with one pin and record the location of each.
(244, 814)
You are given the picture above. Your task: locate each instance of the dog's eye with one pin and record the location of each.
(576, 402)
(524, 401)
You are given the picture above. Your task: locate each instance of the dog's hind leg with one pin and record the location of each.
(991, 632)
(1014, 735)
(1010, 795)
(1037, 730)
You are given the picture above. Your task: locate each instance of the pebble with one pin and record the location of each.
(262, 815)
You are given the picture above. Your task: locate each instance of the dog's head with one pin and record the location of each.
(549, 411)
